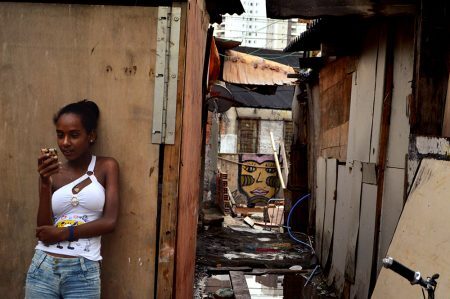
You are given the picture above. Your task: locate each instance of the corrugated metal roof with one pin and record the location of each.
(241, 68)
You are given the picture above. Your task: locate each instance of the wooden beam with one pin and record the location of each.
(239, 284)
(383, 146)
(190, 163)
(170, 181)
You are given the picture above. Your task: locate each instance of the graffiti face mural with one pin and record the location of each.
(258, 179)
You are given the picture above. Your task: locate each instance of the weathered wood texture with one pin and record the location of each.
(55, 54)
(170, 180)
(366, 99)
(396, 126)
(335, 89)
(431, 70)
(239, 284)
(421, 147)
(320, 204)
(353, 214)
(330, 203)
(197, 24)
(360, 289)
(313, 124)
(341, 229)
(421, 238)
(402, 77)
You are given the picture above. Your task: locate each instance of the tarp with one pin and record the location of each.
(282, 99)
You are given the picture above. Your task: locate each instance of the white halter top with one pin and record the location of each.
(72, 207)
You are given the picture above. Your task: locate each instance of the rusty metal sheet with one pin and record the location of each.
(241, 68)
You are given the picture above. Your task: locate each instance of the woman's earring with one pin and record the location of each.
(92, 140)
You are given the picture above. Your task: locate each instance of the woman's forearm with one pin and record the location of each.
(44, 216)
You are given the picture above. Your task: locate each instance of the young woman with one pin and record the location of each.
(78, 203)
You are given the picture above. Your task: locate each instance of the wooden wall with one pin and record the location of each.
(335, 85)
(52, 54)
(189, 194)
(353, 201)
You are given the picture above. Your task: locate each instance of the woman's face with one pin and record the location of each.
(73, 140)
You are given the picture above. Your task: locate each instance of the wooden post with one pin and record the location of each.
(277, 162)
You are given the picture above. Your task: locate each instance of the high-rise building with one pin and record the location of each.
(253, 29)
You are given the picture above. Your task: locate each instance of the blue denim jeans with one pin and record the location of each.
(68, 278)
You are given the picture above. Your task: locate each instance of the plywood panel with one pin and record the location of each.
(341, 228)
(392, 208)
(330, 202)
(320, 203)
(421, 238)
(403, 73)
(189, 188)
(353, 214)
(362, 102)
(365, 242)
(55, 54)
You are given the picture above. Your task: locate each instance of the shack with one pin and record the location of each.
(380, 79)
(144, 66)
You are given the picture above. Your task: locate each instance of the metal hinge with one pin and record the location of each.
(166, 75)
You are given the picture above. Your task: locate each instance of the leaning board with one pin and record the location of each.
(422, 240)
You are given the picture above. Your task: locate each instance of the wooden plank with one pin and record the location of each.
(286, 163)
(362, 102)
(341, 228)
(383, 143)
(60, 54)
(353, 214)
(421, 238)
(189, 186)
(391, 209)
(320, 204)
(446, 122)
(239, 284)
(431, 69)
(397, 147)
(330, 202)
(378, 31)
(365, 242)
(170, 180)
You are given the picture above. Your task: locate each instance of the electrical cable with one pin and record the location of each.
(289, 218)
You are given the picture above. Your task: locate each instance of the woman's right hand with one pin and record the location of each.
(47, 166)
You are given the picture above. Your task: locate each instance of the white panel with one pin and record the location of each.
(403, 73)
(341, 228)
(379, 90)
(391, 209)
(353, 214)
(267, 126)
(365, 242)
(330, 203)
(361, 105)
(320, 203)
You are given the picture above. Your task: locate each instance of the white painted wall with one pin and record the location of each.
(267, 126)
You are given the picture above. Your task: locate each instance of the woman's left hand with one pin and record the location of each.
(50, 234)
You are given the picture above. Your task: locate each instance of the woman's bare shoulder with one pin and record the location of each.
(107, 163)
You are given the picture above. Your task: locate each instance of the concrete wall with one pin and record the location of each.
(270, 120)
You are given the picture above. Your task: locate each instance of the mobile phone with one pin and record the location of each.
(52, 152)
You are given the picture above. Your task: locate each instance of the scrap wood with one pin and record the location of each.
(239, 284)
(225, 270)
